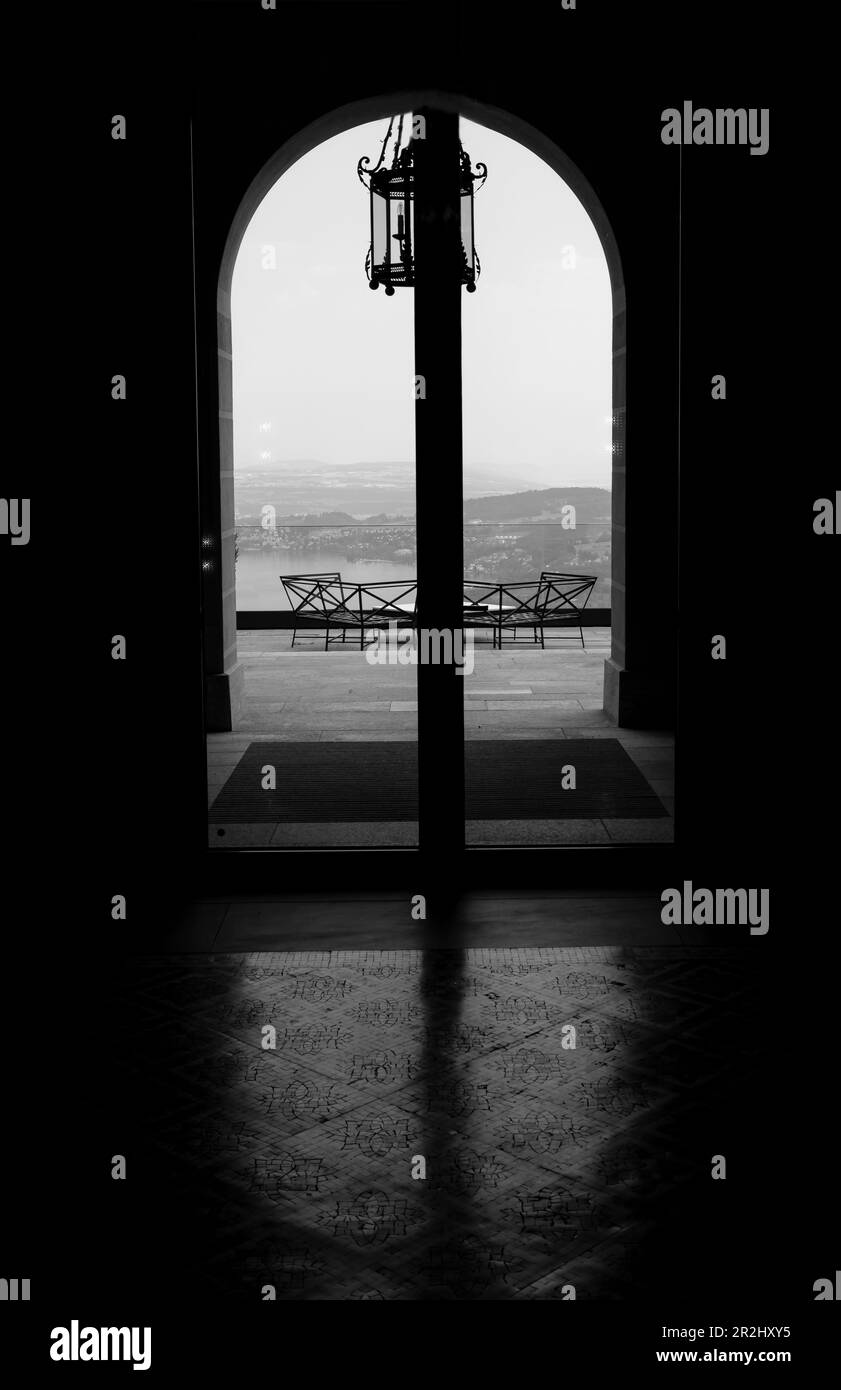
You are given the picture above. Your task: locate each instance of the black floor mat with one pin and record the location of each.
(507, 779)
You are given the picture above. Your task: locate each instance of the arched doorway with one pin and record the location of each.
(224, 683)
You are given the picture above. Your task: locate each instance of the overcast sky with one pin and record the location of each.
(329, 364)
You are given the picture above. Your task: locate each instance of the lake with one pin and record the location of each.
(259, 587)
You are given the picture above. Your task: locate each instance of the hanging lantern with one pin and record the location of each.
(390, 259)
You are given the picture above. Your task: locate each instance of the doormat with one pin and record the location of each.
(506, 779)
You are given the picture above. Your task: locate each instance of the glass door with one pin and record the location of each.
(322, 748)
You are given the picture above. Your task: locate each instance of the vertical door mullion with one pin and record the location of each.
(438, 477)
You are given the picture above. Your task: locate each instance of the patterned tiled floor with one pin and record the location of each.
(548, 1166)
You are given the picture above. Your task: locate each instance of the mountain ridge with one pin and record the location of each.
(592, 505)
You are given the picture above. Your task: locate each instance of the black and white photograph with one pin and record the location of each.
(421, 775)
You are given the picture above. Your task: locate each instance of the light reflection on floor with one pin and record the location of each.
(548, 1166)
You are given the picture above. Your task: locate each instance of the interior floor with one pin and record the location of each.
(306, 694)
(461, 1124)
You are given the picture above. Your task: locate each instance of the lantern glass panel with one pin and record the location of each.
(400, 239)
(378, 230)
(467, 229)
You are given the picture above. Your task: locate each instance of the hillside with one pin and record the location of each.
(592, 504)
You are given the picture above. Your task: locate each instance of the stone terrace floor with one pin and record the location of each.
(307, 694)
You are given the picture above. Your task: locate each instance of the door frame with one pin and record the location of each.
(223, 673)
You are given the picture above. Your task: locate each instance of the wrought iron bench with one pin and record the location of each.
(482, 604)
(334, 606)
(518, 606)
(554, 601)
(563, 600)
(304, 594)
(371, 608)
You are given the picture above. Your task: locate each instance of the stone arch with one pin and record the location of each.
(222, 706)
